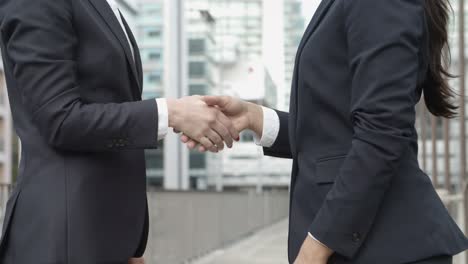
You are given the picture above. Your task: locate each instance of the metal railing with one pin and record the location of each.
(455, 204)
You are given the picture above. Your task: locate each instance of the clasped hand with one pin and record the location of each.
(203, 120)
(212, 121)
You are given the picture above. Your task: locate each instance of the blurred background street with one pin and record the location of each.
(232, 207)
(264, 247)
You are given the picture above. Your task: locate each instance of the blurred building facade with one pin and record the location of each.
(201, 77)
(259, 29)
(202, 80)
(6, 134)
(244, 166)
(293, 31)
(440, 140)
(238, 23)
(249, 51)
(222, 35)
(149, 34)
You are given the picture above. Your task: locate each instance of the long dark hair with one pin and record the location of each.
(438, 95)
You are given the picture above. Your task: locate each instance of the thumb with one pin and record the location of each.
(220, 101)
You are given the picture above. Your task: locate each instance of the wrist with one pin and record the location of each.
(320, 251)
(174, 112)
(255, 117)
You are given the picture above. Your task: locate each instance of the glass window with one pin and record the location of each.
(151, 54)
(151, 9)
(197, 69)
(197, 46)
(197, 89)
(154, 33)
(154, 56)
(197, 160)
(151, 32)
(154, 77)
(154, 159)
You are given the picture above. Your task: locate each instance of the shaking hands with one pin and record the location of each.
(209, 122)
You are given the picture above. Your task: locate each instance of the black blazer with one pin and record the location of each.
(356, 183)
(75, 96)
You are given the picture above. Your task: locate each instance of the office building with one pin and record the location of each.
(6, 134)
(129, 10)
(203, 79)
(293, 31)
(239, 22)
(149, 34)
(244, 166)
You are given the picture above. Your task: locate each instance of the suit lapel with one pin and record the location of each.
(316, 19)
(136, 52)
(113, 23)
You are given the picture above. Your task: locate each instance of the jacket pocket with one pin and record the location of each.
(327, 168)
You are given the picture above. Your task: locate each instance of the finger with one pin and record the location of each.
(228, 124)
(223, 132)
(220, 101)
(184, 138)
(201, 149)
(192, 144)
(215, 137)
(206, 142)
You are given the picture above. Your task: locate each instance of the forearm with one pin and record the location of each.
(99, 127)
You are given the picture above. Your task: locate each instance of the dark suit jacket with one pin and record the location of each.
(356, 184)
(75, 96)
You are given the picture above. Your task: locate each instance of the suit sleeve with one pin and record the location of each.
(383, 41)
(281, 148)
(40, 40)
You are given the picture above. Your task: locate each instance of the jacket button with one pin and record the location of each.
(356, 237)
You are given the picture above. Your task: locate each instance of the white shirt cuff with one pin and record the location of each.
(271, 127)
(311, 236)
(163, 118)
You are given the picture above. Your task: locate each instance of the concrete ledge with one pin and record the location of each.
(185, 226)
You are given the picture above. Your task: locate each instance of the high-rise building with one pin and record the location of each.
(293, 31)
(260, 29)
(150, 37)
(6, 133)
(201, 77)
(220, 34)
(202, 80)
(245, 166)
(128, 9)
(239, 21)
(251, 56)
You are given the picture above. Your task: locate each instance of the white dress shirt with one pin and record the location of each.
(271, 127)
(163, 114)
